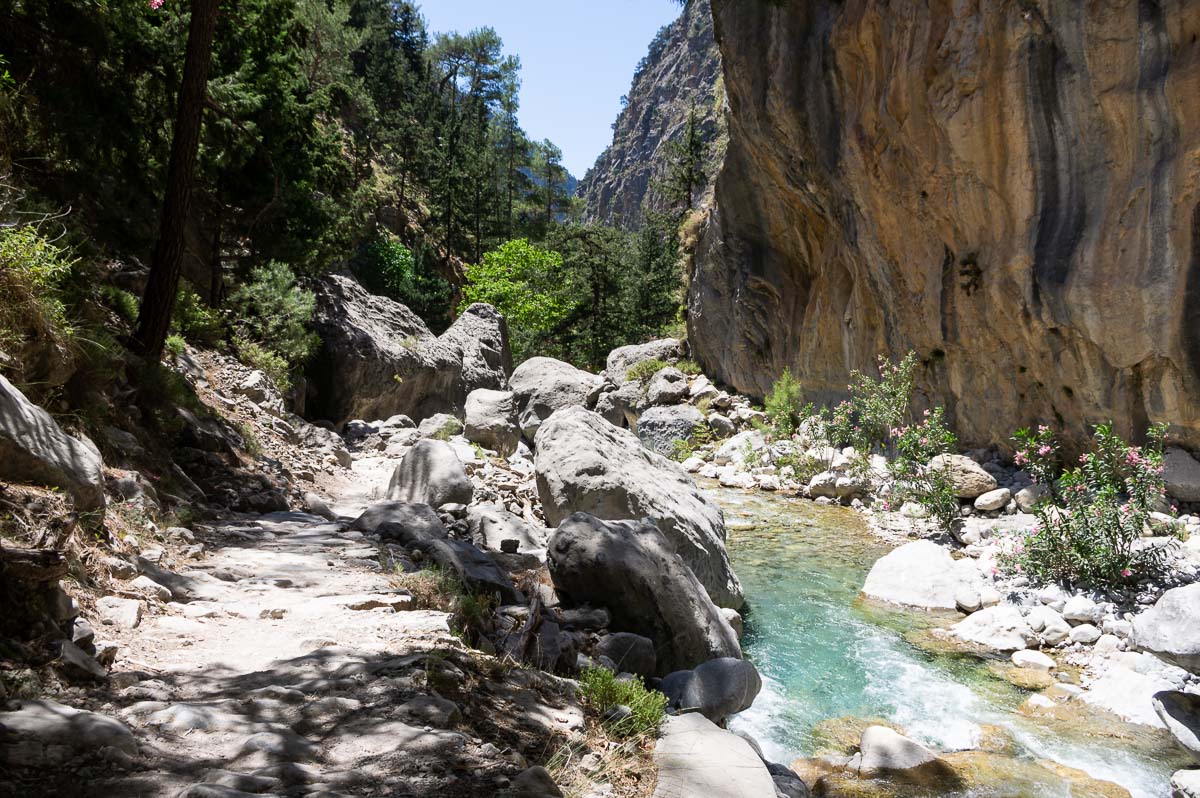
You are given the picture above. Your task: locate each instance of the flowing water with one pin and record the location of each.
(824, 653)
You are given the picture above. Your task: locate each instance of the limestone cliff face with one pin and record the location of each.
(682, 67)
(1010, 188)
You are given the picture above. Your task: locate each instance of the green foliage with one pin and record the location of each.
(1088, 532)
(601, 691)
(122, 301)
(271, 313)
(257, 356)
(644, 370)
(386, 266)
(881, 405)
(689, 367)
(33, 271)
(783, 405)
(916, 479)
(195, 321)
(524, 282)
(175, 346)
(683, 449)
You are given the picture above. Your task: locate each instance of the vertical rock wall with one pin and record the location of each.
(1009, 188)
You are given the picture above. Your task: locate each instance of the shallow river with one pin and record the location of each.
(824, 653)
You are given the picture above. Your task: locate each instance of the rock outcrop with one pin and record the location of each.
(1009, 190)
(378, 358)
(682, 69)
(34, 449)
(630, 568)
(585, 464)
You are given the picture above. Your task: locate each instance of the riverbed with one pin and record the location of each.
(825, 653)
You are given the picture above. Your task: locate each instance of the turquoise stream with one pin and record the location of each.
(824, 654)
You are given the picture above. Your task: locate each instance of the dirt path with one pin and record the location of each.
(294, 665)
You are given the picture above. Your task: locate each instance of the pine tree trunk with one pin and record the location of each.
(159, 298)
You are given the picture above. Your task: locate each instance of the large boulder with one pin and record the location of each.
(887, 753)
(631, 653)
(542, 385)
(1181, 473)
(585, 464)
(623, 358)
(696, 757)
(668, 386)
(431, 473)
(1185, 784)
(1180, 713)
(474, 568)
(418, 517)
(632, 569)
(661, 427)
(920, 574)
(491, 525)
(969, 479)
(491, 420)
(1171, 628)
(46, 734)
(622, 407)
(34, 449)
(716, 689)
(377, 358)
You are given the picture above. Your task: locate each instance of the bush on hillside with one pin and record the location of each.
(602, 691)
(271, 314)
(387, 267)
(783, 405)
(33, 271)
(1090, 527)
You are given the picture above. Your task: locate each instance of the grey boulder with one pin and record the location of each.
(40, 733)
(34, 449)
(631, 568)
(419, 518)
(377, 358)
(1180, 713)
(716, 689)
(886, 753)
(491, 525)
(660, 428)
(668, 386)
(695, 757)
(585, 464)
(431, 473)
(491, 420)
(1171, 628)
(542, 385)
(630, 652)
(623, 358)
(474, 568)
(967, 477)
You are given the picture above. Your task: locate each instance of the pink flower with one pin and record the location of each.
(1127, 573)
(156, 4)
(1044, 450)
(1043, 428)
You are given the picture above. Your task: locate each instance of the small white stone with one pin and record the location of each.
(1033, 659)
(1085, 633)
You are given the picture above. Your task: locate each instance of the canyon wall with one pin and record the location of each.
(1011, 189)
(682, 68)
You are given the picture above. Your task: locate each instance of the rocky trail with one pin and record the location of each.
(289, 662)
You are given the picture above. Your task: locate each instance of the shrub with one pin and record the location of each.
(683, 449)
(602, 691)
(689, 367)
(270, 363)
(643, 371)
(881, 406)
(195, 321)
(271, 315)
(916, 479)
(783, 405)
(175, 345)
(388, 267)
(33, 271)
(1087, 532)
(123, 302)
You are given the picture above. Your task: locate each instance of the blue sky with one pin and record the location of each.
(577, 59)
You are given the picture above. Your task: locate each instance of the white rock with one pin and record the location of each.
(148, 585)
(696, 757)
(1107, 644)
(1028, 497)
(692, 464)
(1085, 633)
(967, 599)
(920, 574)
(122, 612)
(1082, 609)
(993, 500)
(1001, 628)
(1128, 691)
(1036, 660)
(1054, 597)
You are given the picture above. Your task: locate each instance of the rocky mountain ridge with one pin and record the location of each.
(682, 68)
